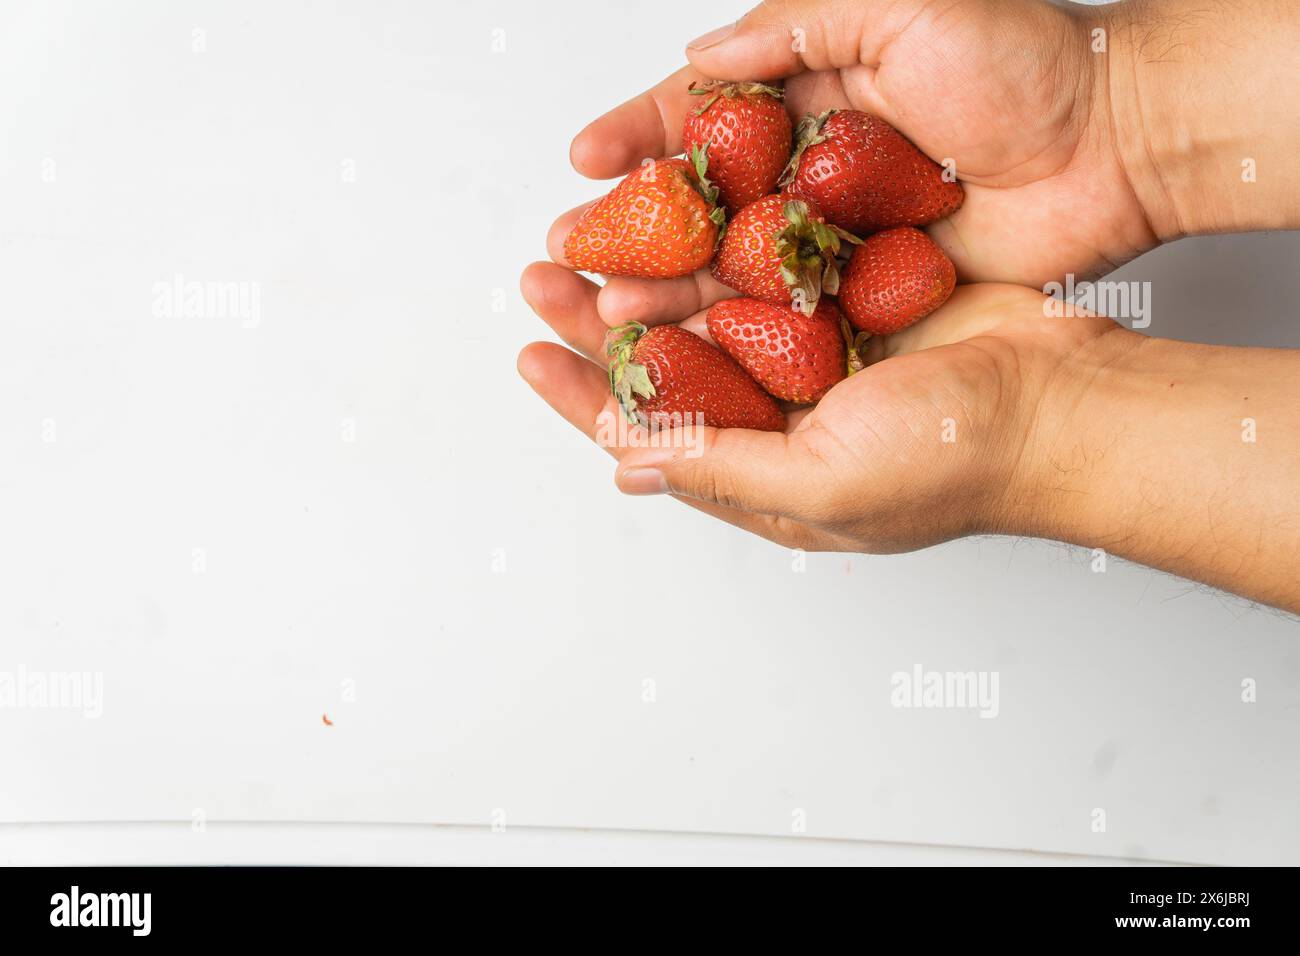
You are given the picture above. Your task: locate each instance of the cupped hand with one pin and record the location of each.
(945, 433)
(1010, 90)
(946, 437)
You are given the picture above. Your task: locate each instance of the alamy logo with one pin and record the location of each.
(56, 690)
(192, 299)
(102, 909)
(1115, 300)
(676, 430)
(956, 690)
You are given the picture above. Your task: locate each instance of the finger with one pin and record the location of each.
(762, 472)
(818, 92)
(579, 392)
(970, 311)
(657, 301)
(778, 39)
(649, 126)
(566, 301)
(699, 324)
(985, 238)
(560, 230)
(571, 385)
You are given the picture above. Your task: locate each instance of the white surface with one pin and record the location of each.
(371, 562)
(326, 844)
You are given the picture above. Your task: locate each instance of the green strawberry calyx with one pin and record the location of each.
(854, 343)
(716, 89)
(627, 378)
(808, 249)
(807, 133)
(707, 188)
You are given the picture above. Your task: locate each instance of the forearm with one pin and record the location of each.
(1182, 457)
(1205, 106)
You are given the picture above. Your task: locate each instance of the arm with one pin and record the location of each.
(1183, 457)
(1205, 103)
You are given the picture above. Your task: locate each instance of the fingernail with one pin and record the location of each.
(712, 38)
(643, 481)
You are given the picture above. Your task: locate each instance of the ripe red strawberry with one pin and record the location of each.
(747, 132)
(865, 175)
(780, 251)
(795, 357)
(894, 278)
(668, 377)
(659, 222)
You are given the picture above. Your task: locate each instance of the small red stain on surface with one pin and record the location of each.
(325, 718)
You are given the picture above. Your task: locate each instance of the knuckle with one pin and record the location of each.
(722, 485)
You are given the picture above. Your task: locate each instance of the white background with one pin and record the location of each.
(370, 563)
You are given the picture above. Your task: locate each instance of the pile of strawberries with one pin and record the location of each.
(773, 211)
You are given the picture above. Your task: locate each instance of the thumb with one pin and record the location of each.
(737, 468)
(782, 37)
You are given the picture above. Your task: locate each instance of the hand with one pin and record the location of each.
(927, 446)
(989, 417)
(1008, 89)
(1071, 130)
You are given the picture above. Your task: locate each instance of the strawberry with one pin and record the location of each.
(780, 251)
(668, 377)
(894, 278)
(747, 132)
(795, 357)
(865, 175)
(659, 222)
